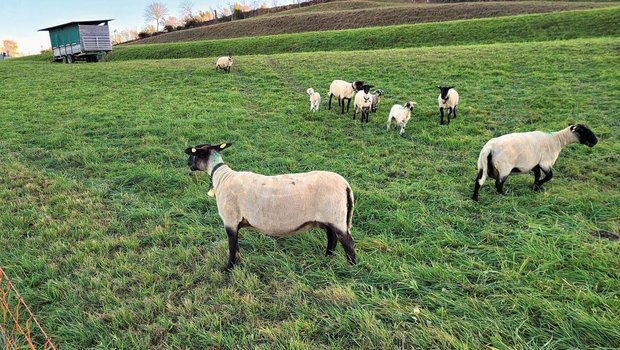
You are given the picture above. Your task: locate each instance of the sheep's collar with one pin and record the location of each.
(211, 188)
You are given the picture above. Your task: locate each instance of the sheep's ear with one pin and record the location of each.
(573, 127)
(223, 146)
(190, 151)
(439, 87)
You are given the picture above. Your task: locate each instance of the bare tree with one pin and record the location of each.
(156, 11)
(187, 10)
(10, 47)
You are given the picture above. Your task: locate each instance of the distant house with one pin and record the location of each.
(84, 40)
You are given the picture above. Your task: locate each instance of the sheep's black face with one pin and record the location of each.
(584, 135)
(444, 92)
(359, 85)
(198, 157)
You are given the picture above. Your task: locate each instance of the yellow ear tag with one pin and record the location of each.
(222, 145)
(211, 192)
(193, 150)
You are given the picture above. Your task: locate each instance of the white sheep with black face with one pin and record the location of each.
(280, 205)
(363, 103)
(400, 115)
(224, 63)
(519, 153)
(448, 98)
(376, 99)
(343, 90)
(315, 99)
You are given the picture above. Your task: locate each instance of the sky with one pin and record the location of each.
(20, 20)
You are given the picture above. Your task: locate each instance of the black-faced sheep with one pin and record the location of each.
(400, 115)
(280, 205)
(224, 63)
(376, 99)
(518, 153)
(315, 99)
(343, 90)
(448, 98)
(363, 103)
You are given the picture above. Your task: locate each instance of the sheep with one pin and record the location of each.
(448, 98)
(400, 115)
(315, 99)
(280, 205)
(224, 63)
(363, 103)
(518, 153)
(343, 90)
(376, 98)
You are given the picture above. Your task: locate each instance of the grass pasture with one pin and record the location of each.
(113, 245)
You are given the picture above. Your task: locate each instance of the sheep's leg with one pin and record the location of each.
(449, 114)
(332, 240)
(477, 186)
(536, 186)
(348, 104)
(354, 111)
(347, 243)
(233, 247)
(548, 176)
(499, 184)
(441, 111)
(329, 104)
(454, 111)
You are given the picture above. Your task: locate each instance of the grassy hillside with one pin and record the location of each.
(565, 25)
(348, 14)
(113, 245)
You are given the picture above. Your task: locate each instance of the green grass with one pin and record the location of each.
(113, 245)
(563, 25)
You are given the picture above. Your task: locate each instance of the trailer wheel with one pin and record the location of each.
(64, 59)
(70, 59)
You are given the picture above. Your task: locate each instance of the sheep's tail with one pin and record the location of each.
(485, 164)
(350, 202)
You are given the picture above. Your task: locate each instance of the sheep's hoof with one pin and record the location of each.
(229, 267)
(537, 187)
(474, 198)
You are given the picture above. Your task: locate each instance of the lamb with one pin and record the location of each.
(376, 98)
(400, 115)
(224, 63)
(363, 103)
(343, 90)
(315, 99)
(278, 206)
(518, 153)
(448, 98)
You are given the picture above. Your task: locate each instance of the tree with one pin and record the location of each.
(156, 11)
(10, 47)
(187, 10)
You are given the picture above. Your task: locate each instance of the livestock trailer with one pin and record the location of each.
(85, 40)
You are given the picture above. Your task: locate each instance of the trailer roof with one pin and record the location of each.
(93, 22)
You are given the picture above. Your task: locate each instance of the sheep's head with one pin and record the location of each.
(200, 156)
(444, 92)
(584, 135)
(410, 105)
(378, 92)
(366, 88)
(310, 91)
(358, 85)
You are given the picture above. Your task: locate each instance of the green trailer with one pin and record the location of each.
(85, 40)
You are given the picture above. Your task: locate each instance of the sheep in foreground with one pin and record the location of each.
(448, 98)
(315, 99)
(518, 153)
(376, 98)
(400, 115)
(224, 63)
(280, 205)
(363, 103)
(343, 90)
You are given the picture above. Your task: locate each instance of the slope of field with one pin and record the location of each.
(338, 18)
(113, 245)
(565, 25)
